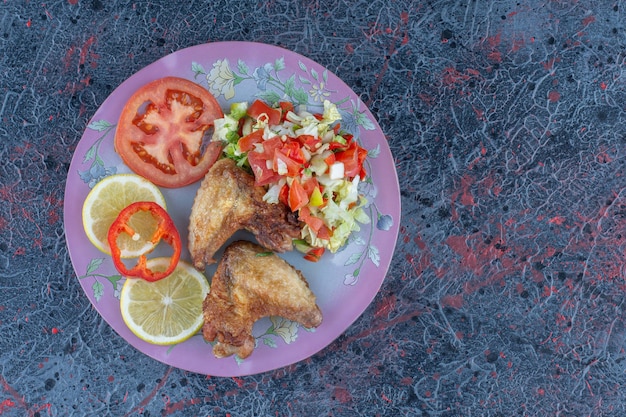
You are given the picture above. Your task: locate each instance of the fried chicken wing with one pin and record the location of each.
(228, 201)
(250, 284)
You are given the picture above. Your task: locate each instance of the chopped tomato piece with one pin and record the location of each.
(283, 195)
(247, 142)
(310, 185)
(338, 146)
(324, 233)
(270, 145)
(297, 196)
(160, 134)
(285, 107)
(284, 165)
(166, 230)
(352, 159)
(362, 156)
(310, 141)
(314, 254)
(330, 159)
(258, 108)
(293, 150)
(262, 174)
(315, 223)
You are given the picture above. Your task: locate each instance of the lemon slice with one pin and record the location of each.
(105, 201)
(167, 311)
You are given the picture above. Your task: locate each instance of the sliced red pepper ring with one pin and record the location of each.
(166, 231)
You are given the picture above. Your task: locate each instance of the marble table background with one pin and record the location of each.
(505, 296)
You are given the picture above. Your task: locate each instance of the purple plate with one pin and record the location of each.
(345, 283)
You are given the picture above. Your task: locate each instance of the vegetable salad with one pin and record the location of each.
(305, 161)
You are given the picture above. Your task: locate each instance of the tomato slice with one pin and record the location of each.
(166, 231)
(258, 108)
(161, 132)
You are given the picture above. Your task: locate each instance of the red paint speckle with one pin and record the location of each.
(549, 64)
(604, 158)
(589, 19)
(405, 17)
(342, 395)
(387, 305)
(517, 44)
(451, 76)
(549, 290)
(554, 96)
(558, 220)
(495, 56)
(492, 44)
(4, 405)
(55, 330)
(454, 301)
(603, 85)
(406, 380)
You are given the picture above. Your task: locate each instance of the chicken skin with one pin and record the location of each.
(228, 201)
(251, 283)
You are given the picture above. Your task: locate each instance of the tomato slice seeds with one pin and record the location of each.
(161, 132)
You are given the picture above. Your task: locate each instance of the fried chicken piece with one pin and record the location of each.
(249, 284)
(228, 201)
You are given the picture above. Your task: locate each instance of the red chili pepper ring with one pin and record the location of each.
(166, 230)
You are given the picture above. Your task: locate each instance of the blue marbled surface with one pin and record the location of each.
(505, 296)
